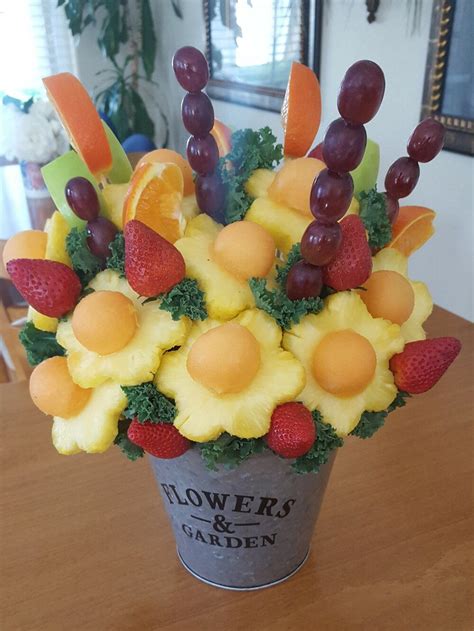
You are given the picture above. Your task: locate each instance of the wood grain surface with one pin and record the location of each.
(85, 544)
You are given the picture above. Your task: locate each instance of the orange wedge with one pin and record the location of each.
(223, 137)
(81, 120)
(413, 228)
(301, 110)
(154, 197)
(293, 182)
(168, 155)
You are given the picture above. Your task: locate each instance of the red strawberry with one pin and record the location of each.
(292, 430)
(49, 287)
(161, 440)
(152, 264)
(422, 364)
(352, 265)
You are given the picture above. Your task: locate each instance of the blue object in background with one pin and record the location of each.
(108, 120)
(138, 142)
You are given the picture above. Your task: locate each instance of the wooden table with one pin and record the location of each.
(85, 543)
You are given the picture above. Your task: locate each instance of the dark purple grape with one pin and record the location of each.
(191, 69)
(392, 207)
(82, 198)
(304, 281)
(197, 113)
(100, 234)
(361, 92)
(344, 146)
(426, 141)
(320, 242)
(210, 195)
(203, 154)
(331, 195)
(402, 177)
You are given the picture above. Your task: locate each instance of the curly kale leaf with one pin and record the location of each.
(229, 451)
(276, 303)
(147, 403)
(371, 422)
(132, 451)
(84, 263)
(294, 255)
(326, 441)
(116, 260)
(39, 345)
(373, 212)
(251, 150)
(185, 299)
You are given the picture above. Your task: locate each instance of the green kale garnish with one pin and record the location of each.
(116, 260)
(84, 263)
(370, 422)
(229, 451)
(39, 345)
(276, 303)
(132, 451)
(250, 150)
(326, 441)
(294, 255)
(373, 212)
(185, 299)
(147, 403)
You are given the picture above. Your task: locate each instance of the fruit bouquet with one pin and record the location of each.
(235, 315)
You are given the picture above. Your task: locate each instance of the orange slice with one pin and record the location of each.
(293, 182)
(413, 228)
(81, 120)
(301, 110)
(168, 155)
(154, 198)
(223, 137)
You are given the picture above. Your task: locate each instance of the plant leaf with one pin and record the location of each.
(148, 52)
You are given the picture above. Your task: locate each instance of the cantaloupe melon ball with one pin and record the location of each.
(28, 244)
(389, 295)
(244, 249)
(224, 359)
(104, 321)
(54, 392)
(344, 363)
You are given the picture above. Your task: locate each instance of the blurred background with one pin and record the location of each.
(122, 49)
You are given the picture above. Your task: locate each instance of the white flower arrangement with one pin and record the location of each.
(33, 136)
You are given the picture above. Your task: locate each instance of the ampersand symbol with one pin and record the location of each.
(220, 525)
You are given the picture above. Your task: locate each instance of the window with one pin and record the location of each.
(34, 42)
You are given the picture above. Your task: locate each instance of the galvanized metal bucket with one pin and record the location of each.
(245, 528)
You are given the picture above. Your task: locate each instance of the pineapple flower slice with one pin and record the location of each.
(202, 414)
(226, 294)
(345, 312)
(138, 361)
(392, 260)
(94, 428)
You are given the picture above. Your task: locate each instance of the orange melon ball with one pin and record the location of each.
(244, 249)
(224, 359)
(293, 182)
(344, 363)
(389, 295)
(104, 321)
(168, 155)
(54, 392)
(29, 244)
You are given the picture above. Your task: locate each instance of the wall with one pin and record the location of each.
(446, 185)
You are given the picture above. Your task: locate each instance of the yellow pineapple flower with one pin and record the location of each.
(239, 372)
(139, 358)
(205, 246)
(345, 353)
(94, 428)
(402, 291)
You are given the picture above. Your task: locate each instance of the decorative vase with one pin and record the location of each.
(245, 528)
(33, 181)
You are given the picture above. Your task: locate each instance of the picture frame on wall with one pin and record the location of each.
(250, 46)
(448, 94)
